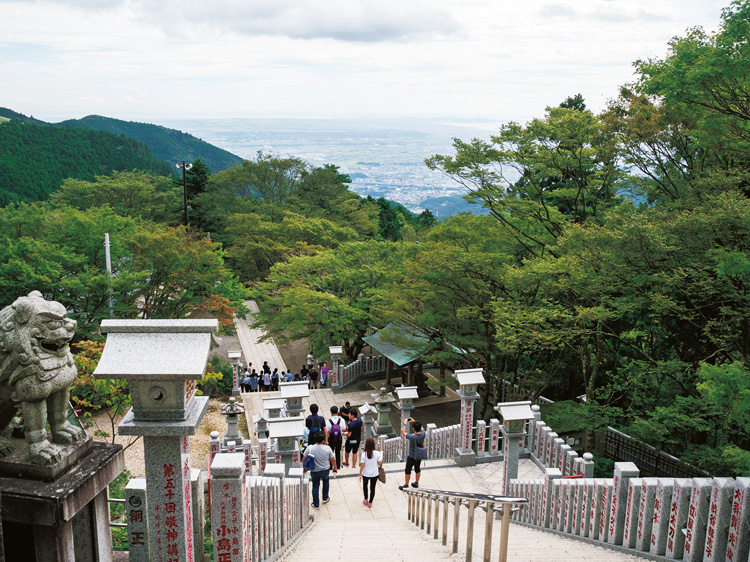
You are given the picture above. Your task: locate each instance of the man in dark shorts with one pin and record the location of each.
(354, 436)
(414, 439)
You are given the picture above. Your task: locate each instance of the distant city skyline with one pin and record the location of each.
(475, 59)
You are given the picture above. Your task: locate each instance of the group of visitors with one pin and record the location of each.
(316, 379)
(324, 452)
(327, 438)
(268, 380)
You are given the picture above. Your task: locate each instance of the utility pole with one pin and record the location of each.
(184, 186)
(108, 261)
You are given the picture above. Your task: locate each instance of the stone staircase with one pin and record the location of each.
(373, 540)
(347, 528)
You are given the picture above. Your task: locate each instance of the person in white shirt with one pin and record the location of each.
(336, 436)
(369, 467)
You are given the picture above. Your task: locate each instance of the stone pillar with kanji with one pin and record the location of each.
(228, 508)
(406, 396)
(234, 360)
(335, 352)
(515, 416)
(161, 360)
(468, 381)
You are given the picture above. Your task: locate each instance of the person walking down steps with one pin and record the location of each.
(369, 466)
(324, 459)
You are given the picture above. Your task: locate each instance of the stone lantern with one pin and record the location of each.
(368, 413)
(514, 417)
(468, 381)
(335, 351)
(383, 401)
(234, 360)
(260, 423)
(161, 360)
(286, 433)
(274, 406)
(232, 412)
(406, 396)
(293, 393)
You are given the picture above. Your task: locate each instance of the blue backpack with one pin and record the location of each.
(309, 463)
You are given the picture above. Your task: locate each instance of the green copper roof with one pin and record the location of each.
(400, 343)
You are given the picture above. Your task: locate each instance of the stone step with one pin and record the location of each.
(373, 540)
(346, 527)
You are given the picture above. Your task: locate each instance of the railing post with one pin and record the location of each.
(470, 530)
(505, 529)
(456, 514)
(429, 513)
(435, 523)
(488, 522)
(421, 512)
(408, 506)
(445, 521)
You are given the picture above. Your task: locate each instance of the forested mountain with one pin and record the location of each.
(10, 114)
(35, 159)
(168, 144)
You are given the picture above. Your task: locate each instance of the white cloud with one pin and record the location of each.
(163, 58)
(346, 20)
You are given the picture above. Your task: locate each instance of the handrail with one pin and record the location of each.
(417, 498)
(114, 523)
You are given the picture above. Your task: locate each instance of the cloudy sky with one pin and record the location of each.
(493, 59)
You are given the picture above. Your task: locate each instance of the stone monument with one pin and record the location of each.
(161, 360)
(234, 360)
(468, 381)
(53, 486)
(514, 416)
(335, 352)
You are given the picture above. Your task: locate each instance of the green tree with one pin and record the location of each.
(132, 194)
(330, 297)
(182, 271)
(257, 244)
(536, 178)
(196, 179)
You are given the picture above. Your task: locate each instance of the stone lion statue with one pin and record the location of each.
(36, 371)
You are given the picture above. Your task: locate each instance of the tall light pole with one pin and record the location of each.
(184, 185)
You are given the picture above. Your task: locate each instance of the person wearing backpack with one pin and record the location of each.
(316, 424)
(417, 452)
(335, 426)
(322, 461)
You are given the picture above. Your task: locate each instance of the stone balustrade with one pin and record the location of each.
(362, 367)
(255, 517)
(692, 519)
